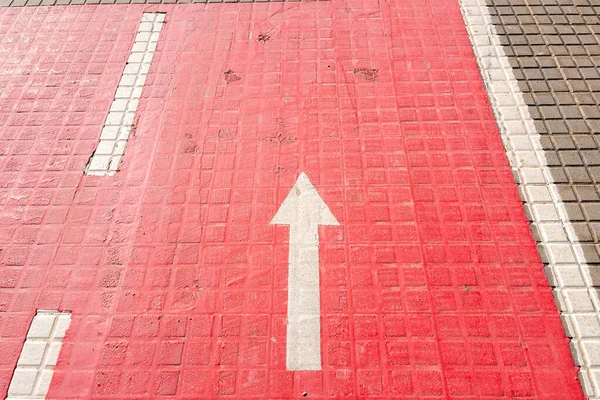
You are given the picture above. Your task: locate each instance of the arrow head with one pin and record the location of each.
(303, 205)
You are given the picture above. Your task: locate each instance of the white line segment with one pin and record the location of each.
(304, 210)
(568, 271)
(35, 366)
(119, 121)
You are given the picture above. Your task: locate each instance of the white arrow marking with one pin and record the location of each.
(304, 210)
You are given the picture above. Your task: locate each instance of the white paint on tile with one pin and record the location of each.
(33, 374)
(567, 269)
(119, 121)
(303, 210)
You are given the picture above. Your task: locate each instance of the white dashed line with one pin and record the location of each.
(35, 367)
(119, 122)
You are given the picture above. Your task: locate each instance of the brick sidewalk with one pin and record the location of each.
(554, 50)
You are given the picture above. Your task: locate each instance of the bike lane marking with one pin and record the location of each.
(39, 355)
(430, 284)
(304, 211)
(119, 121)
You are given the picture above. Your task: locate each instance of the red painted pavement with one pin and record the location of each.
(431, 286)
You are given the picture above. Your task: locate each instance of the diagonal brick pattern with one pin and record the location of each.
(555, 52)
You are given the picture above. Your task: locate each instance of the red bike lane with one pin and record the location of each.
(430, 286)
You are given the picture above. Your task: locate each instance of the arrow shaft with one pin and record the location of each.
(303, 210)
(304, 300)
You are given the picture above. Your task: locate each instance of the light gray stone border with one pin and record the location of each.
(39, 354)
(119, 121)
(566, 269)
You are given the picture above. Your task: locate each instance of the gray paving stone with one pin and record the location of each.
(570, 157)
(592, 211)
(555, 124)
(591, 157)
(577, 126)
(587, 193)
(582, 232)
(563, 142)
(578, 175)
(554, 49)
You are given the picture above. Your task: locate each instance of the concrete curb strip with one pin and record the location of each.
(567, 270)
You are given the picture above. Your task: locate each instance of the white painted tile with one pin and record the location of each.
(132, 68)
(118, 123)
(545, 212)
(139, 47)
(52, 354)
(142, 37)
(99, 163)
(119, 105)
(64, 320)
(22, 382)
(587, 325)
(43, 384)
(32, 353)
(560, 253)
(114, 118)
(592, 352)
(41, 326)
(39, 355)
(105, 147)
(552, 232)
(578, 300)
(569, 276)
(145, 27)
